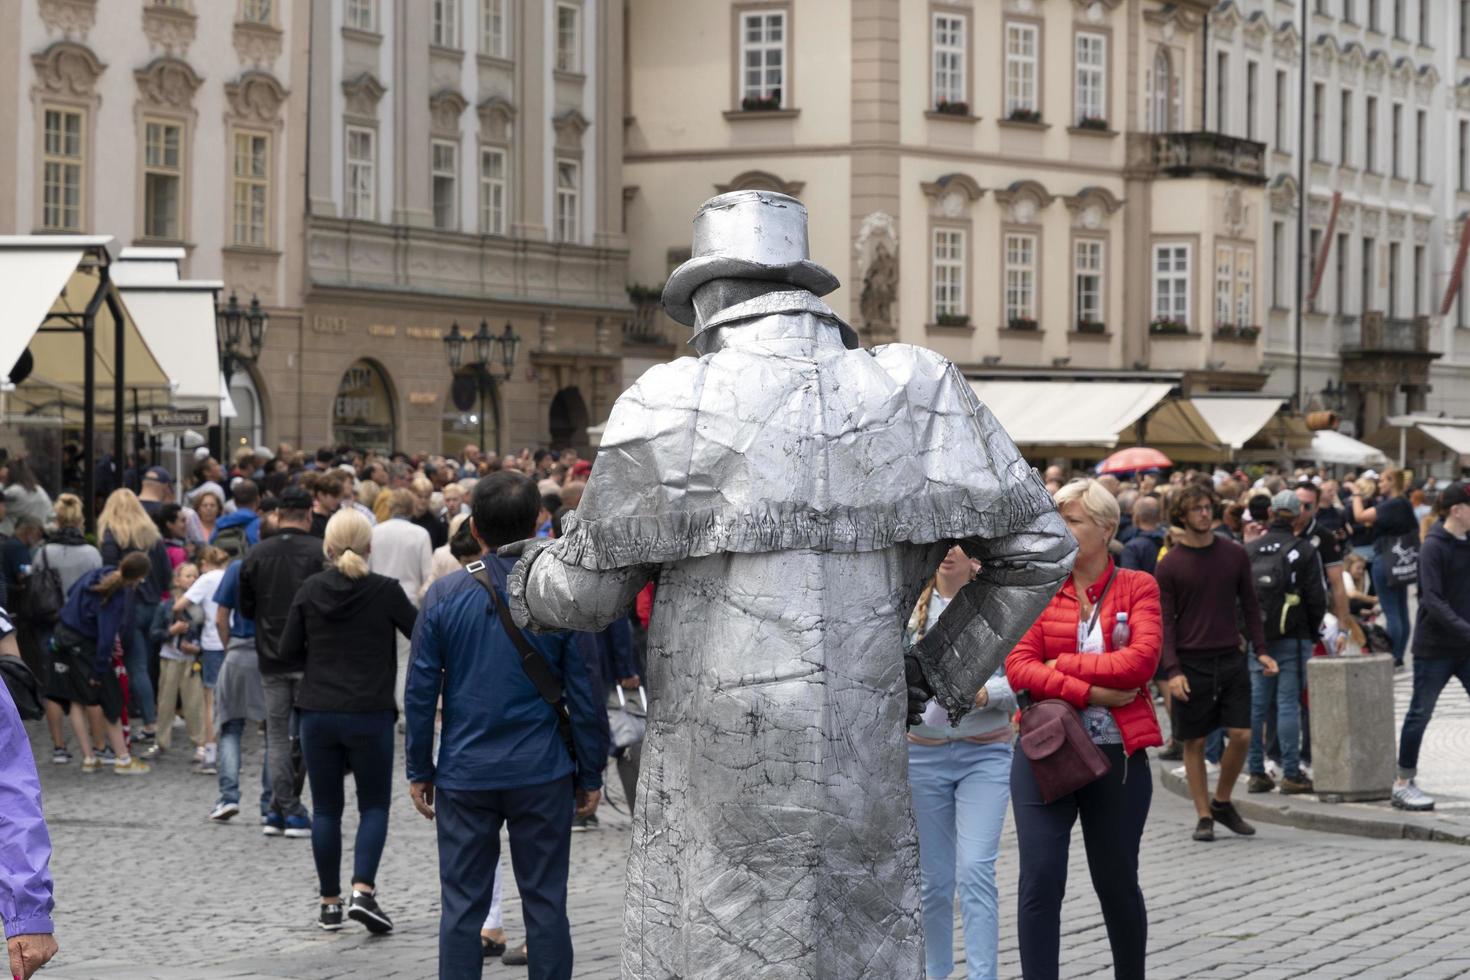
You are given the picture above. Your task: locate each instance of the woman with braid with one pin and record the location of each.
(960, 779)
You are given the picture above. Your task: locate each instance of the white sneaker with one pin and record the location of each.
(1212, 768)
(1306, 770)
(199, 756)
(179, 722)
(1273, 769)
(211, 755)
(1411, 797)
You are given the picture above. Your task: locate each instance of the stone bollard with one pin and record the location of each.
(1352, 727)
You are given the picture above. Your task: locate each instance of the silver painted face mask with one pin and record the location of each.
(790, 496)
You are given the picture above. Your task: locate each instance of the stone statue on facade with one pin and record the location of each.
(790, 494)
(880, 289)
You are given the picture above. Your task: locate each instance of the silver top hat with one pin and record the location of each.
(746, 235)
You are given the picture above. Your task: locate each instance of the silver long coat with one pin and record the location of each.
(791, 497)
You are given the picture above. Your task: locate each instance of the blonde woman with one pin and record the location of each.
(959, 776)
(341, 626)
(125, 528)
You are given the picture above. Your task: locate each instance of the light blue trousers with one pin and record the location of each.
(960, 792)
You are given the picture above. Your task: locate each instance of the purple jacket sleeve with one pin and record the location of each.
(25, 846)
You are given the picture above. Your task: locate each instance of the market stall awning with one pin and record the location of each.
(1083, 414)
(1236, 421)
(1334, 447)
(1453, 437)
(44, 278)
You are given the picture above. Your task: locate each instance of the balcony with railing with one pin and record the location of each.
(1210, 154)
(1376, 334)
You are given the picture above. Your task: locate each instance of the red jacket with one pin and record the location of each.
(1054, 637)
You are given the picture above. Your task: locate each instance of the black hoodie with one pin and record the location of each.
(1442, 627)
(342, 628)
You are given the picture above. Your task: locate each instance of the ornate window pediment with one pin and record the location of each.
(169, 28)
(761, 180)
(951, 195)
(1353, 56)
(1325, 51)
(1091, 207)
(1284, 195)
(570, 126)
(256, 97)
(1428, 78)
(67, 68)
(1257, 27)
(168, 83)
(1226, 19)
(1023, 199)
(445, 108)
(1088, 6)
(363, 92)
(1174, 18)
(257, 44)
(497, 117)
(1288, 41)
(71, 19)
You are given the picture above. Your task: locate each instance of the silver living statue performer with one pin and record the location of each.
(790, 493)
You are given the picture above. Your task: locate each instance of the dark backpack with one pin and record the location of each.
(25, 689)
(232, 541)
(46, 596)
(1273, 579)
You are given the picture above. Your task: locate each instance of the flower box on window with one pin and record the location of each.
(1091, 326)
(1024, 116)
(761, 103)
(952, 320)
(948, 108)
(1230, 331)
(1021, 323)
(1093, 122)
(1165, 325)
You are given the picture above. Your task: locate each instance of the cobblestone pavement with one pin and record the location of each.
(147, 888)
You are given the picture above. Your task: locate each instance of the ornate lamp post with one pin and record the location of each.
(492, 361)
(231, 319)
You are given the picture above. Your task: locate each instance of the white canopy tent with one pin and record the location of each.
(1090, 414)
(1236, 421)
(177, 317)
(1333, 447)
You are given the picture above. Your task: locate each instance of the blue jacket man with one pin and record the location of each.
(501, 759)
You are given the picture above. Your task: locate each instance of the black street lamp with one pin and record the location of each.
(494, 361)
(229, 320)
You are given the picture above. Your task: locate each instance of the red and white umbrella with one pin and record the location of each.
(1133, 459)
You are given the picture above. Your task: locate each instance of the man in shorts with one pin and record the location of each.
(1203, 581)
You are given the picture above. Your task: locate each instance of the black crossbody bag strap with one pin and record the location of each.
(533, 663)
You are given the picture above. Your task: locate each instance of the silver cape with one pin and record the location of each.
(791, 496)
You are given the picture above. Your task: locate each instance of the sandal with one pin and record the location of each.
(491, 947)
(516, 957)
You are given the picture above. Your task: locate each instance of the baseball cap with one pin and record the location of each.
(1453, 494)
(158, 474)
(295, 498)
(1286, 502)
(582, 467)
(1370, 475)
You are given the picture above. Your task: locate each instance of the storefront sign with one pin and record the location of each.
(382, 330)
(321, 323)
(423, 398)
(181, 418)
(362, 412)
(425, 333)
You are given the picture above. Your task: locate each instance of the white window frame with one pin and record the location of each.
(1178, 282)
(256, 11)
(1370, 133)
(1421, 146)
(1019, 252)
(494, 28)
(161, 168)
(1022, 67)
(494, 190)
(948, 248)
(1224, 286)
(1345, 127)
(1088, 269)
(1245, 287)
(63, 172)
(1397, 135)
(250, 191)
(361, 175)
(1278, 258)
(362, 15)
(1252, 99)
(568, 201)
(444, 167)
(771, 56)
(444, 23)
(569, 43)
(950, 33)
(1222, 92)
(1090, 82)
(1283, 110)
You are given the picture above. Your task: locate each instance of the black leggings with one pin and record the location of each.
(1113, 811)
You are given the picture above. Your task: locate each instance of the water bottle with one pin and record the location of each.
(1121, 633)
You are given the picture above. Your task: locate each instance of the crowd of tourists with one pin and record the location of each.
(281, 595)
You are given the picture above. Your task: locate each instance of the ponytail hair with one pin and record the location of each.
(348, 539)
(214, 557)
(133, 569)
(919, 621)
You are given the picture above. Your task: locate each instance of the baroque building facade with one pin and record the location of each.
(1380, 129)
(1024, 186)
(376, 172)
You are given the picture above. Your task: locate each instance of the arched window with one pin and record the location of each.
(362, 413)
(471, 415)
(247, 428)
(1160, 109)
